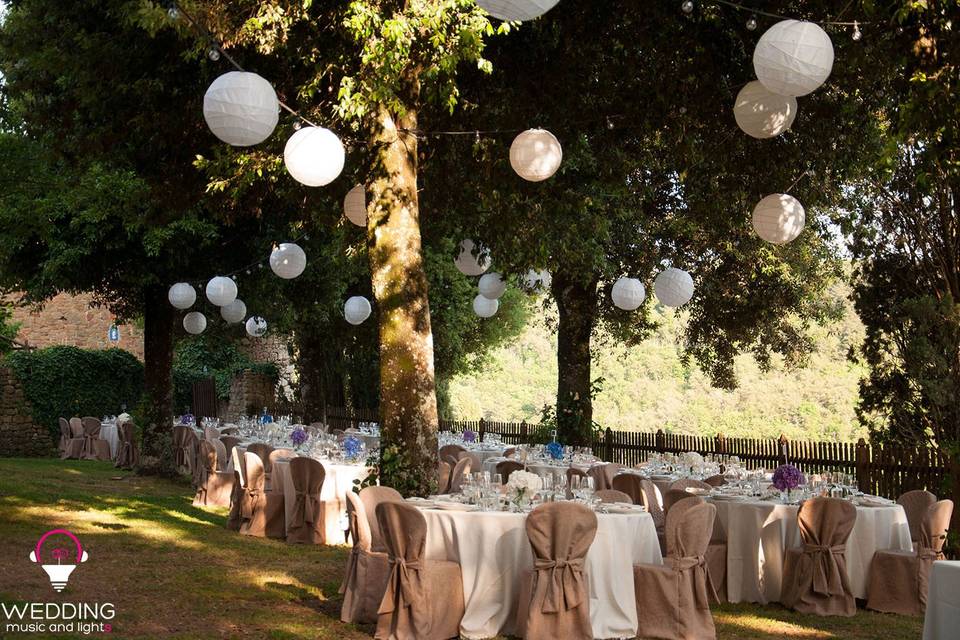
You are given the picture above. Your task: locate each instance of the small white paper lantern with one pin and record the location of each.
(778, 218)
(762, 114)
(537, 279)
(221, 291)
(241, 108)
(288, 260)
(628, 293)
(194, 322)
(793, 58)
(516, 10)
(535, 155)
(182, 295)
(485, 307)
(674, 287)
(355, 206)
(467, 264)
(234, 312)
(256, 327)
(492, 286)
(356, 310)
(314, 156)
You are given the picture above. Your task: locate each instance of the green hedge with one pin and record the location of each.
(202, 357)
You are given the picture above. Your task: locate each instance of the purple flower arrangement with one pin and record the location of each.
(787, 477)
(299, 436)
(469, 436)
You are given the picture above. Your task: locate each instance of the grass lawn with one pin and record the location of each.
(174, 571)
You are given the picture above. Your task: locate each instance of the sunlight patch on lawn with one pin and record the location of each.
(183, 517)
(271, 580)
(771, 626)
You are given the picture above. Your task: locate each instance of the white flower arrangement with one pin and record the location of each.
(523, 484)
(692, 459)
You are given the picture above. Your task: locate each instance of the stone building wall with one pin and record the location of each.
(250, 393)
(19, 436)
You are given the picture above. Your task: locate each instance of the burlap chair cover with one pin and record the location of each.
(307, 526)
(899, 579)
(211, 433)
(690, 483)
(76, 427)
(612, 495)
(128, 456)
(554, 599)
(603, 475)
(263, 451)
(183, 448)
(644, 492)
(64, 435)
(509, 452)
(222, 458)
(716, 481)
(277, 454)
(214, 487)
(461, 469)
(72, 443)
(236, 496)
(450, 460)
(815, 575)
(443, 477)
(672, 497)
(424, 598)
(371, 497)
(230, 431)
(94, 447)
(450, 450)
(673, 599)
(261, 511)
(229, 442)
(915, 505)
(507, 467)
(367, 571)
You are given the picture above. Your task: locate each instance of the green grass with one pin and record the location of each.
(174, 571)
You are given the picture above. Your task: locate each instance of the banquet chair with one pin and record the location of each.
(461, 469)
(94, 447)
(72, 441)
(183, 448)
(716, 481)
(612, 495)
(915, 504)
(554, 599)
(603, 475)
(223, 459)
(128, 455)
(64, 435)
(229, 442)
(214, 487)
(261, 511)
(507, 467)
(307, 526)
(450, 450)
(336, 432)
(815, 574)
(690, 483)
(211, 433)
(672, 497)
(899, 579)
(424, 598)
(367, 570)
(509, 452)
(263, 451)
(229, 431)
(443, 477)
(371, 497)
(239, 481)
(76, 427)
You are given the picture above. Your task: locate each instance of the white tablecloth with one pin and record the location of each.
(109, 433)
(493, 551)
(942, 619)
(759, 533)
(336, 483)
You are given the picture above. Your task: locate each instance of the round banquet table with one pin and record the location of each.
(758, 533)
(480, 455)
(336, 483)
(370, 441)
(109, 433)
(942, 618)
(492, 550)
(539, 467)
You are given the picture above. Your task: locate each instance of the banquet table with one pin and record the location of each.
(336, 483)
(370, 441)
(942, 619)
(539, 467)
(493, 551)
(108, 432)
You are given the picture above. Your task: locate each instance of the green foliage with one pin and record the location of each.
(395, 470)
(8, 329)
(207, 356)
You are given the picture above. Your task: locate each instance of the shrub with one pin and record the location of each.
(205, 357)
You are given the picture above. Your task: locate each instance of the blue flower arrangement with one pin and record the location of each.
(352, 447)
(555, 449)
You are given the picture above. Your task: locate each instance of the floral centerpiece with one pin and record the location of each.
(522, 486)
(691, 459)
(787, 477)
(469, 436)
(352, 447)
(555, 449)
(299, 436)
(187, 418)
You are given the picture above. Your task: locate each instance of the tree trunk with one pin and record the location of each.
(577, 306)
(320, 384)
(156, 409)
(408, 402)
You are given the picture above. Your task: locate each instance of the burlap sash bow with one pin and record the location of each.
(353, 570)
(925, 559)
(200, 476)
(89, 447)
(564, 583)
(183, 457)
(699, 566)
(303, 508)
(403, 588)
(827, 580)
(250, 502)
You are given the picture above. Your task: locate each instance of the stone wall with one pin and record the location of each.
(250, 393)
(19, 436)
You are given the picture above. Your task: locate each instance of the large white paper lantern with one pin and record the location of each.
(234, 312)
(356, 310)
(194, 322)
(221, 291)
(537, 280)
(288, 260)
(763, 114)
(778, 218)
(793, 58)
(535, 155)
(355, 206)
(182, 295)
(517, 10)
(314, 156)
(241, 108)
(485, 307)
(256, 327)
(628, 293)
(674, 287)
(492, 286)
(467, 263)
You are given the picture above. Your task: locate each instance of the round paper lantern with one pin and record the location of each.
(356, 310)
(355, 206)
(793, 58)
(492, 286)
(469, 265)
(234, 312)
(778, 218)
(628, 293)
(516, 10)
(537, 279)
(674, 287)
(535, 155)
(194, 322)
(256, 327)
(241, 108)
(221, 291)
(485, 307)
(288, 260)
(314, 156)
(763, 114)
(182, 295)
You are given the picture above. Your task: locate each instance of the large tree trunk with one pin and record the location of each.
(156, 409)
(577, 306)
(408, 402)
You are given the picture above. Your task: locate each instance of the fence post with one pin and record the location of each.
(721, 444)
(483, 427)
(784, 448)
(660, 441)
(608, 445)
(523, 432)
(863, 466)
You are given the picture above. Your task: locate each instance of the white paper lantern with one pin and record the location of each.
(485, 307)
(355, 206)
(762, 114)
(288, 260)
(492, 286)
(234, 312)
(778, 218)
(256, 327)
(467, 263)
(221, 291)
(793, 58)
(674, 287)
(194, 322)
(628, 293)
(535, 155)
(182, 295)
(516, 10)
(314, 156)
(241, 108)
(537, 280)
(356, 310)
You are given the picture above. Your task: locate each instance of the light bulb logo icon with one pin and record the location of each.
(60, 572)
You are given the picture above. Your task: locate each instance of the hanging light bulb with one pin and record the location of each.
(687, 6)
(610, 124)
(856, 35)
(213, 53)
(297, 125)
(173, 12)
(752, 23)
